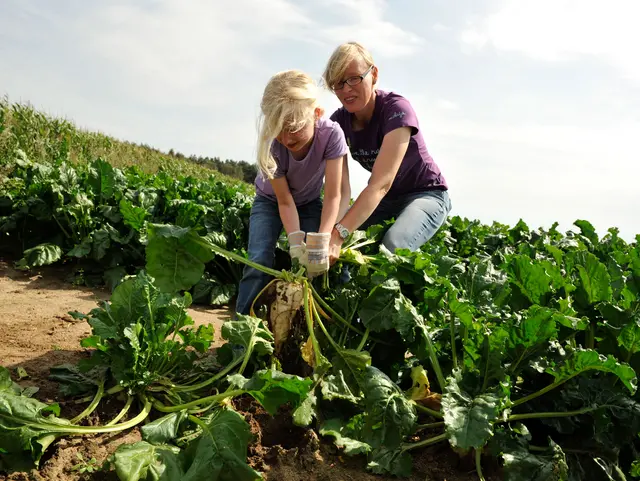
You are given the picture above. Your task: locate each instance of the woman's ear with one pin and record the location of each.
(374, 74)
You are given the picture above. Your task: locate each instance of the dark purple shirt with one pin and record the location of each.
(418, 171)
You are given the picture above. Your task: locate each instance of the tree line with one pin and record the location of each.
(238, 169)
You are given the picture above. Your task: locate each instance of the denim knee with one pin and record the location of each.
(396, 239)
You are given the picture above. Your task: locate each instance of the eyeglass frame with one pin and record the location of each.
(353, 78)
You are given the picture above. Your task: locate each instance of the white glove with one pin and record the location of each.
(317, 254)
(296, 245)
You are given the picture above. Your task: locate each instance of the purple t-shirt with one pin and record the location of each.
(418, 171)
(305, 177)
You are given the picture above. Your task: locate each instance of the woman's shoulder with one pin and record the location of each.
(390, 99)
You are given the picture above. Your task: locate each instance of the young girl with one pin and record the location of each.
(297, 150)
(385, 138)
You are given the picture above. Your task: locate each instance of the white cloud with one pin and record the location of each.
(554, 30)
(438, 27)
(179, 53)
(366, 23)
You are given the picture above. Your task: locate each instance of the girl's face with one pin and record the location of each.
(355, 97)
(295, 141)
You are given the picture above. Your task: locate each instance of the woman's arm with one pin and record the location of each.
(286, 205)
(345, 189)
(332, 189)
(385, 168)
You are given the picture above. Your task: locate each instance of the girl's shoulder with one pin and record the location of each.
(331, 138)
(327, 126)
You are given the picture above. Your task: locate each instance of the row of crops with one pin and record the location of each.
(518, 347)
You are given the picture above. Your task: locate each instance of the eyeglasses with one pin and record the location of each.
(351, 81)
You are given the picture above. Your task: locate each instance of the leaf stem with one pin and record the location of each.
(560, 414)
(430, 425)
(232, 255)
(122, 412)
(433, 358)
(209, 381)
(324, 329)
(72, 429)
(112, 390)
(338, 317)
(479, 464)
(364, 340)
(452, 325)
(209, 399)
(91, 407)
(64, 231)
(590, 341)
(427, 410)
(426, 442)
(309, 319)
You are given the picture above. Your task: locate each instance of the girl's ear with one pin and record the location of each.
(319, 112)
(374, 74)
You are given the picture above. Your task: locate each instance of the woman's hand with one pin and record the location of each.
(335, 244)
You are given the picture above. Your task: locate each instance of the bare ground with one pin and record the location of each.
(36, 333)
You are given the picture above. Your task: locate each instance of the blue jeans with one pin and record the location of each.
(265, 228)
(418, 217)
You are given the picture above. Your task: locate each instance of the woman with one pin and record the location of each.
(383, 135)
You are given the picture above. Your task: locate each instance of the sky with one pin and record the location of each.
(531, 109)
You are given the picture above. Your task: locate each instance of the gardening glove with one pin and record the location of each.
(296, 245)
(317, 253)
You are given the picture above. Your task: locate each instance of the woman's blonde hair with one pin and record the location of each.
(340, 59)
(288, 102)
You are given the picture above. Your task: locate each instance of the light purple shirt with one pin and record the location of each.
(418, 171)
(305, 177)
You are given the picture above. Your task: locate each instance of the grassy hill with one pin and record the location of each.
(45, 138)
(84, 199)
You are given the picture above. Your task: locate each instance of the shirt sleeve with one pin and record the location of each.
(281, 166)
(398, 112)
(336, 144)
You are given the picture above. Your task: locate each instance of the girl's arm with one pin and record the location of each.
(332, 188)
(286, 205)
(385, 168)
(345, 189)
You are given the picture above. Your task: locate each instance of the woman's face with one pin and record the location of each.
(355, 97)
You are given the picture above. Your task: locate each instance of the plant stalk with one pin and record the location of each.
(454, 353)
(209, 381)
(122, 412)
(364, 340)
(427, 410)
(430, 425)
(479, 464)
(209, 399)
(433, 358)
(232, 255)
(559, 414)
(72, 429)
(309, 319)
(426, 442)
(112, 390)
(91, 407)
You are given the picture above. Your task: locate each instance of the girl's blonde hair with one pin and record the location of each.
(288, 102)
(340, 59)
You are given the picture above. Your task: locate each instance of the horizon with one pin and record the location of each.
(524, 125)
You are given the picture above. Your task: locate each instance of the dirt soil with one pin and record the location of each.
(36, 332)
